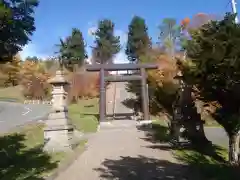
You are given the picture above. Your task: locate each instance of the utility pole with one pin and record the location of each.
(234, 9)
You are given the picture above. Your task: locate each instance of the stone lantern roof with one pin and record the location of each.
(58, 79)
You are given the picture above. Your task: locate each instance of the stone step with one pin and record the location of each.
(117, 124)
(121, 124)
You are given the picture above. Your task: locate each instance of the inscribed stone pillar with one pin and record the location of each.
(58, 132)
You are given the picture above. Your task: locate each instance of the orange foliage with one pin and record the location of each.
(83, 85)
(185, 22)
(197, 20)
(34, 80)
(9, 72)
(166, 71)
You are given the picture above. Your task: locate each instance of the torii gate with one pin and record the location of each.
(122, 67)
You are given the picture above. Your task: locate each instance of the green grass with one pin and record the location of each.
(11, 94)
(209, 162)
(21, 150)
(84, 115)
(159, 120)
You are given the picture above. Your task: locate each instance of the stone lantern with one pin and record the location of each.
(58, 133)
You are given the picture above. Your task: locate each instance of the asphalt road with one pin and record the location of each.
(217, 135)
(16, 114)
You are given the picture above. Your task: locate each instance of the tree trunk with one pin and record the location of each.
(191, 119)
(175, 124)
(233, 148)
(195, 132)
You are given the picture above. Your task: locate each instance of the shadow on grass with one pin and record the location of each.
(206, 159)
(209, 167)
(96, 115)
(18, 162)
(142, 168)
(157, 133)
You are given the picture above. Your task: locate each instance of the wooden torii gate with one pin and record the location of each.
(122, 67)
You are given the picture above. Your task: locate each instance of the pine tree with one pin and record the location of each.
(72, 50)
(170, 33)
(215, 72)
(138, 40)
(106, 44)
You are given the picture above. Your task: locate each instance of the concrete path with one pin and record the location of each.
(123, 154)
(121, 96)
(116, 94)
(15, 114)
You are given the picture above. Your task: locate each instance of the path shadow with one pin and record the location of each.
(208, 159)
(17, 162)
(142, 168)
(132, 103)
(160, 137)
(96, 115)
(157, 133)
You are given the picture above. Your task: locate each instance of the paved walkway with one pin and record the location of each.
(123, 153)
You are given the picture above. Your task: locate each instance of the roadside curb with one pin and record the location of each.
(65, 164)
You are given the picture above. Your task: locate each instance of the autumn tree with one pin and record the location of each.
(72, 50)
(138, 40)
(17, 25)
(34, 80)
(215, 72)
(107, 45)
(10, 71)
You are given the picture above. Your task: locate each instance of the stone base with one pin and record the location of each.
(105, 123)
(61, 140)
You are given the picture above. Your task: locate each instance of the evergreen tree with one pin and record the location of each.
(106, 44)
(215, 72)
(16, 25)
(169, 35)
(138, 40)
(72, 50)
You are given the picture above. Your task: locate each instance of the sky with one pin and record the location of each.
(54, 19)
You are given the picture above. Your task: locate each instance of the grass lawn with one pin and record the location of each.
(209, 162)
(21, 151)
(84, 115)
(11, 94)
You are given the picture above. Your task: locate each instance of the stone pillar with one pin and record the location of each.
(58, 133)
